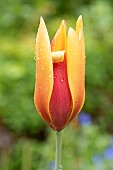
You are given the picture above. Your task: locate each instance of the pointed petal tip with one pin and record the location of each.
(63, 22)
(42, 20)
(71, 31)
(42, 27)
(80, 18)
(59, 41)
(79, 24)
(80, 21)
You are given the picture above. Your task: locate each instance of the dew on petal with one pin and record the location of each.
(77, 102)
(62, 79)
(80, 36)
(48, 56)
(55, 76)
(50, 76)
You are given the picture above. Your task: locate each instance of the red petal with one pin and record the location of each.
(60, 103)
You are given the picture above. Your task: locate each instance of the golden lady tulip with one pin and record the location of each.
(60, 74)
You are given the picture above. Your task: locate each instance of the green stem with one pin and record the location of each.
(58, 150)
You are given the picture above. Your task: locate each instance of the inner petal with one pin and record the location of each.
(60, 102)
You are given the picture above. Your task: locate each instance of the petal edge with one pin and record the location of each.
(76, 72)
(44, 72)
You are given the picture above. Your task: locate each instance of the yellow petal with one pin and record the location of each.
(79, 31)
(76, 72)
(79, 24)
(44, 72)
(59, 41)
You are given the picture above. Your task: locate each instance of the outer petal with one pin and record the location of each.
(79, 25)
(79, 31)
(60, 103)
(44, 72)
(76, 67)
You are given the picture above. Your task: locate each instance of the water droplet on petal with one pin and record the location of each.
(40, 88)
(77, 102)
(62, 79)
(55, 76)
(42, 68)
(50, 76)
(60, 70)
(34, 57)
(80, 35)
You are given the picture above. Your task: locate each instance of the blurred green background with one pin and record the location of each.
(26, 143)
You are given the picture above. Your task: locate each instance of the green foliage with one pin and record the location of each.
(80, 149)
(99, 66)
(17, 79)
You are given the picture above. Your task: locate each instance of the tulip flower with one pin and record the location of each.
(60, 74)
